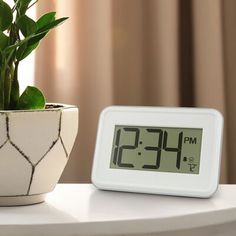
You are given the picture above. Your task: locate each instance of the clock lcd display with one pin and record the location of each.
(159, 149)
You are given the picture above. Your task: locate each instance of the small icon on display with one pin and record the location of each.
(192, 167)
(191, 159)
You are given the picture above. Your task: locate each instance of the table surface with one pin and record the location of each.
(81, 209)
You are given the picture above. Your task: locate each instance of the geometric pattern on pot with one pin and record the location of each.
(34, 133)
(49, 170)
(33, 154)
(69, 127)
(3, 130)
(15, 172)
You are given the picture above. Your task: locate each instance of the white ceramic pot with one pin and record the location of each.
(34, 148)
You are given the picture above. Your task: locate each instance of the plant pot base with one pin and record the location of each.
(22, 200)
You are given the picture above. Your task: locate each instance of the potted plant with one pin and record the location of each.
(36, 138)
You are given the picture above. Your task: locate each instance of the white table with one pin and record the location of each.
(81, 209)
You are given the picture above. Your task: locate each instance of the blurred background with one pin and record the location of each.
(138, 52)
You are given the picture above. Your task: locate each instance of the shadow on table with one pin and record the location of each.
(43, 213)
(122, 205)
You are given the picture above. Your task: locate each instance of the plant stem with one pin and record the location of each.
(32, 4)
(2, 96)
(15, 5)
(7, 87)
(15, 88)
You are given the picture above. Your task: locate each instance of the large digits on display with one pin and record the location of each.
(162, 144)
(156, 149)
(171, 149)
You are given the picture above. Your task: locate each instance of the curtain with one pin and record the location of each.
(140, 52)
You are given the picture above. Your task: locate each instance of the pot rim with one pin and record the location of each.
(58, 107)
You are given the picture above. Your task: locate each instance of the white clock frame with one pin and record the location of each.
(202, 185)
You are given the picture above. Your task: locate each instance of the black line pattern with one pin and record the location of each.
(3, 143)
(59, 131)
(49, 149)
(27, 158)
(31, 179)
(63, 145)
(21, 152)
(7, 126)
(6, 132)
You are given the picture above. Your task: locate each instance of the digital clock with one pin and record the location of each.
(173, 151)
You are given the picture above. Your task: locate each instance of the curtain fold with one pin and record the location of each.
(161, 46)
(229, 32)
(208, 60)
(139, 52)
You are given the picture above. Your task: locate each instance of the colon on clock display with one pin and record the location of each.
(160, 149)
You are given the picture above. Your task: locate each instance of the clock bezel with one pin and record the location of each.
(203, 184)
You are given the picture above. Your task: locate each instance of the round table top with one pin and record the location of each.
(81, 209)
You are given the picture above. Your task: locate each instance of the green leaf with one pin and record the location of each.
(6, 16)
(42, 32)
(31, 98)
(38, 35)
(28, 50)
(46, 19)
(24, 50)
(36, 39)
(3, 41)
(15, 94)
(15, 91)
(11, 48)
(20, 51)
(52, 25)
(26, 25)
(1, 60)
(1, 93)
(7, 87)
(33, 42)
